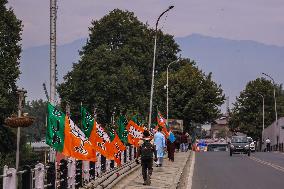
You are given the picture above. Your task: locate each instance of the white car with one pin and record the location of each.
(251, 144)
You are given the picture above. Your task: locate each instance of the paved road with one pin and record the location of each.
(217, 170)
(163, 177)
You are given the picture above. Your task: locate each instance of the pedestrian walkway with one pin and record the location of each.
(163, 177)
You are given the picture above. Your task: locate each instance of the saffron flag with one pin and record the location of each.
(96, 134)
(64, 136)
(135, 133)
(162, 123)
(55, 128)
(118, 147)
(76, 144)
(100, 139)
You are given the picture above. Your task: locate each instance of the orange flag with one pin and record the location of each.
(118, 147)
(162, 123)
(76, 144)
(101, 141)
(135, 133)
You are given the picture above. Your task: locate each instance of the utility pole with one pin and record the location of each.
(53, 12)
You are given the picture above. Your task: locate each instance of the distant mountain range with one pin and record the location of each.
(232, 62)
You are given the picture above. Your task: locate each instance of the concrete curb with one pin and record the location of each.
(178, 176)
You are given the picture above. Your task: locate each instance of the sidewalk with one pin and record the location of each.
(167, 176)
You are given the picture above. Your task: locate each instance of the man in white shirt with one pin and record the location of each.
(267, 141)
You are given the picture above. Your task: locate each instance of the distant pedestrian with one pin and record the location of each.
(160, 143)
(171, 148)
(183, 142)
(267, 141)
(145, 150)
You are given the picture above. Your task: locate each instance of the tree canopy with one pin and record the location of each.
(115, 70)
(246, 115)
(10, 49)
(193, 96)
(115, 66)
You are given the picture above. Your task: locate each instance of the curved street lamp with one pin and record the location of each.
(275, 106)
(153, 70)
(276, 118)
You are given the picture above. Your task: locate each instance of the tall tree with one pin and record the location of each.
(193, 95)
(246, 114)
(116, 64)
(10, 49)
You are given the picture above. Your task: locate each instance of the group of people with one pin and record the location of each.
(153, 148)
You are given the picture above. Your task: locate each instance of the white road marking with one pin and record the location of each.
(191, 170)
(277, 167)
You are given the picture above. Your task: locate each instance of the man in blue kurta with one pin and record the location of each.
(160, 143)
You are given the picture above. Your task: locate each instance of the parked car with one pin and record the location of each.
(239, 144)
(251, 144)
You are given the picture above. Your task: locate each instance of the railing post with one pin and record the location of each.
(108, 165)
(51, 176)
(71, 172)
(63, 171)
(93, 169)
(26, 177)
(122, 157)
(10, 179)
(78, 177)
(98, 165)
(39, 176)
(86, 172)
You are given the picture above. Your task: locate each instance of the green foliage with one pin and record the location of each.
(193, 96)
(10, 49)
(246, 115)
(10, 35)
(37, 109)
(115, 66)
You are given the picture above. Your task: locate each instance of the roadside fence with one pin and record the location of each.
(69, 173)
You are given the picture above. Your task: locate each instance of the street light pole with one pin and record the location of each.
(168, 87)
(21, 93)
(262, 114)
(275, 106)
(153, 70)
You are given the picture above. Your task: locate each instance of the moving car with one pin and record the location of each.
(239, 144)
(251, 144)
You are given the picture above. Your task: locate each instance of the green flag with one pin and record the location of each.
(55, 128)
(111, 133)
(87, 122)
(122, 132)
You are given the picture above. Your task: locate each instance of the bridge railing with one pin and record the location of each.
(69, 173)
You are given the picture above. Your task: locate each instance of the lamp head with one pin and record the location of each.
(170, 7)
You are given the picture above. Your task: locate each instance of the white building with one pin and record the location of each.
(275, 132)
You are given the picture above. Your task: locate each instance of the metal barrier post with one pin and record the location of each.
(26, 177)
(98, 165)
(92, 170)
(39, 176)
(122, 155)
(10, 178)
(128, 153)
(78, 176)
(63, 174)
(71, 173)
(51, 176)
(86, 171)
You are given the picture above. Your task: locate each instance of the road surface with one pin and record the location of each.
(217, 170)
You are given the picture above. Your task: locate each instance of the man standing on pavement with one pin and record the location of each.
(145, 150)
(267, 141)
(160, 142)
